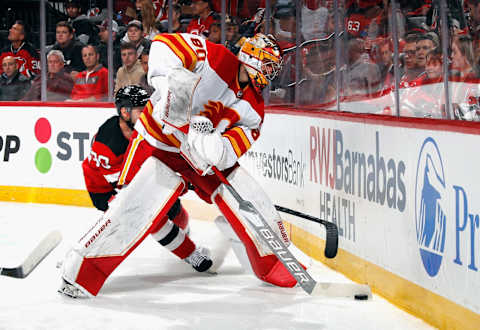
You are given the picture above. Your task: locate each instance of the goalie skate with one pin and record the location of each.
(200, 259)
(70, 290)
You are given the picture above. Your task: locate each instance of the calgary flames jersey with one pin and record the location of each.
(236, 112)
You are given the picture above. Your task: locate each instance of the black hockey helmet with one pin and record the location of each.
(131, 96)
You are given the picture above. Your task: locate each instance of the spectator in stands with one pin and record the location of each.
(125, 10)
(385, 62)
(177, 26)
(131, 71)
(13, 85)
(411, 69)
(473, 8)
(319, 73)
(428, 98)
(463, 63)
(204, 17)
(91, 84)
(425, 43)
(285, 29)
(362, 77)
(59, 82)
(363, 19)
(135, 36)
(25, 54)
(159, 9)
(85, 30)
(434, 65)
(147, 17)
(233, 39)
(103, 45)
(215, 34)
(315, 18)
(71, 48)
(143, 79)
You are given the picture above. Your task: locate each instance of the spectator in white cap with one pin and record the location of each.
(103, 45)
(135, 35)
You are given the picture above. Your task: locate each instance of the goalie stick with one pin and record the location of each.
(331, 237)
(269, 237)
(35, 257)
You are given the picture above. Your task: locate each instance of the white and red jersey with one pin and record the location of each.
(236, 112)
(27, 58)
(161, 12)
(200, 26)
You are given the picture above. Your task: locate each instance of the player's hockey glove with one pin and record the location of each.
(204, 147)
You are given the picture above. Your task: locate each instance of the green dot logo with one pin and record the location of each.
(43, 158)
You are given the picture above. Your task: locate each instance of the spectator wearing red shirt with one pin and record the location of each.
(205, 17)
(364, 19)
(91, 84)
(25, 54)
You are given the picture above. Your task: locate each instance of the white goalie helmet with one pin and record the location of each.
(262, 58)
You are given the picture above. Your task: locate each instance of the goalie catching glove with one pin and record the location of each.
(205, 147)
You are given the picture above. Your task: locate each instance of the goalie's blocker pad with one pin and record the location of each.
(172, 99)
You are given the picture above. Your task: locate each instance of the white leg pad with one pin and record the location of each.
(251, 191)
(237, 246)
(126, 222)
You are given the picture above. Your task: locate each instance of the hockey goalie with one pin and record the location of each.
(198, 86)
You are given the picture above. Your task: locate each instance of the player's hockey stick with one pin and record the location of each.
(35, 257)
(331, 237)
(269, 237)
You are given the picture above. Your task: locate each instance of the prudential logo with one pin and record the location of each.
(429, 213)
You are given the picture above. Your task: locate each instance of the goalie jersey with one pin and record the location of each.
(103, 165)
(236, 111)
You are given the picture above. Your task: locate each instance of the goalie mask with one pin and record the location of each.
(262, 58)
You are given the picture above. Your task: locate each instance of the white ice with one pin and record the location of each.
(153, 289)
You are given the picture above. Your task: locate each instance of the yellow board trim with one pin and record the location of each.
(414, 299)
(43, 195)
(418, 301)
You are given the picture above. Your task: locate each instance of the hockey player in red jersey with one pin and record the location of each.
(102, 167)
(196, 83)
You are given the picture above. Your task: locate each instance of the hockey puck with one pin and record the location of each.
(361, 297)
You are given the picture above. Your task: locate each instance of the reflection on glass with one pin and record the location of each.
(433, 56)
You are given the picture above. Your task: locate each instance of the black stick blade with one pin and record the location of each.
(331, 241)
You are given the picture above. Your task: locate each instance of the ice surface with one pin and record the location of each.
(153, 289)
